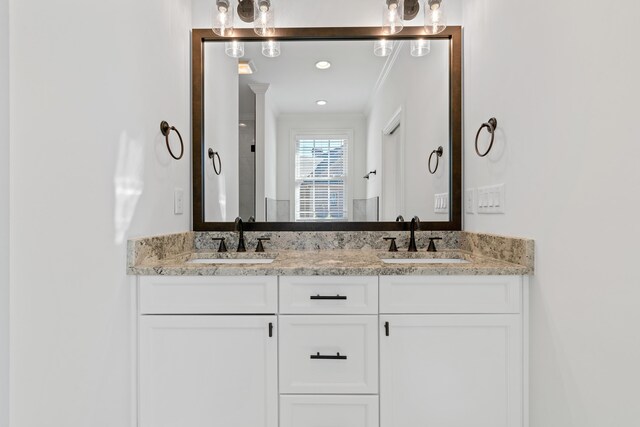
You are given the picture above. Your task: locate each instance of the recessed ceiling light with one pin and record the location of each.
(242, 125)
(323, 65)
(321, 102)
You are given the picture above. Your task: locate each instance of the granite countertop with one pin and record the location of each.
(330, 254)
(334, 262)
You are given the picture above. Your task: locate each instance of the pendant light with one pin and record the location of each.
(383, 47)
(271, 48)
(420, 47)
(392, 15)
(222, 23)
(234, 49)
(435, 20)
(263, 23)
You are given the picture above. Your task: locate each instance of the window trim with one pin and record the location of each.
(324, 133)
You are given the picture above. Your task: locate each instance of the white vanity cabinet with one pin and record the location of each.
(442, 363)
(209, 369)
(324, 351)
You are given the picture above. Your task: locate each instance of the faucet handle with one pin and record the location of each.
(222, 247)
(260, 247)
(392, 246)
(432, 245)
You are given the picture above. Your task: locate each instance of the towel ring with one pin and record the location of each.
(212, 156)
(166, 130)
(491, 126)
(438, 154)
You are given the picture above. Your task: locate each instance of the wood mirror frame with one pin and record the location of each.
(453, 33)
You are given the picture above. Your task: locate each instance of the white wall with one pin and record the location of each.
(90, 83)
(221, 117)
(424, 125)
(4, 213)
(306, 122)
(562, 80)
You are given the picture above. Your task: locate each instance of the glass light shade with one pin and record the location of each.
(234, 49)
(264, 22)
(383, 47)
(222, 22)
(392, 15)
(420, 47)
(435, 18)
(271, 49)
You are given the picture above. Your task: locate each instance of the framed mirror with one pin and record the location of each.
(327, 129)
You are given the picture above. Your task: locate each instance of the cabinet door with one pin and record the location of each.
(208, 371)
(451, 370)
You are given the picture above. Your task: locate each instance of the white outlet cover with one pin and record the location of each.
(178, 201)
(470, 201)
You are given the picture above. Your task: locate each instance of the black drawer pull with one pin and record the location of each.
(323, 357)
(341, 297)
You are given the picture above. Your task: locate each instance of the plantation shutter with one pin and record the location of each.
(321, 178)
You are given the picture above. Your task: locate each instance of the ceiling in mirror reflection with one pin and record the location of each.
(296, 84)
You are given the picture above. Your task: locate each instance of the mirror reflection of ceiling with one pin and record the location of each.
(296, 84)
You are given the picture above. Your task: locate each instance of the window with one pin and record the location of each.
(321, 178)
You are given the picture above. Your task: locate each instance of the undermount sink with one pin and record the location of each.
(424, 261)
(231, 261)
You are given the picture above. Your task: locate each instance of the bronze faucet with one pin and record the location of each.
(415, 224)
(240, 229)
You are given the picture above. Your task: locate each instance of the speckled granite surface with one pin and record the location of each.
(157, 248)
(328, 240)
(511, 249)
(331, 253)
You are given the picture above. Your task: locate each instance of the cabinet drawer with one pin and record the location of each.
(329, 295)
(328, 354)
(329, 411)
(208, 295)
(450, 294)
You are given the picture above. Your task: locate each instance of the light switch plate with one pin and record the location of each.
(491, 199)
(441, 203)
(470, 201)
(178, 201)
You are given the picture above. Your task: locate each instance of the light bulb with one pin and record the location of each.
(222, 22)
(234, 49)
(435, 19)
(383, 47)
(271, 49)
(392, 16)
(264, 19)
(420, 47)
